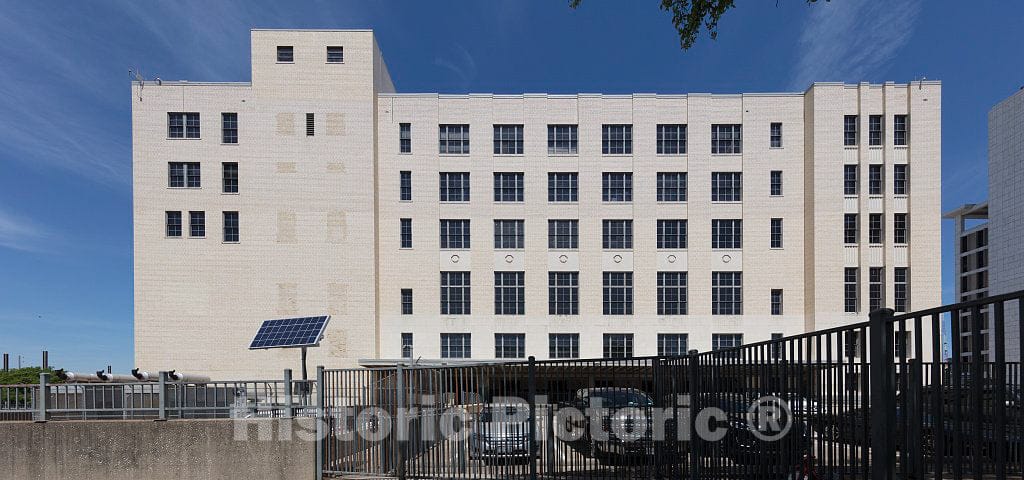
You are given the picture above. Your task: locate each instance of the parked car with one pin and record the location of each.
(625, 422)
(747, 442)
(501, 431)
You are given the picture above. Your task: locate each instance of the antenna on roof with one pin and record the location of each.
(137, 76)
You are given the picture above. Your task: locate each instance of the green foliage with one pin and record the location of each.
(25, 376)
(688, 16)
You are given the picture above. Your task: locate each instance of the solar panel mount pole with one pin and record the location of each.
(304, 364)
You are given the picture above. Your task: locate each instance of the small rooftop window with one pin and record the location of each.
(285, 54)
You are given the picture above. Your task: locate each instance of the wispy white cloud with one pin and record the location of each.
(21, 234)
(461, 63)
(852, 40)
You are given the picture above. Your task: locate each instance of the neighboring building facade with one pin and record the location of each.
(486, 226)
(972, 272)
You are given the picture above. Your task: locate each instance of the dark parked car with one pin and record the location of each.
(625, 422)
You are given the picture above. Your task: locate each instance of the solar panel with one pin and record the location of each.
(290, 332)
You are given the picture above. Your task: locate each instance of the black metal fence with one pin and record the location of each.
(871, 400)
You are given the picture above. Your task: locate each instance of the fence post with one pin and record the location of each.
(399, 428)
(691, 391)
(162, 398)
(320, 415)
(883, 394)
(288, 401)
(531, 379)
(44, 396)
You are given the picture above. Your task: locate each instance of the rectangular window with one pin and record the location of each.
(776, 301)
(509, 345)
(564, 234)
(726, 186)
(406, 301)
(562, 139)
(776, 233)
(231, 228)
(875, 130)
(849, 179)
(726, 293)
(618, 293)
(455, 234)
(406, 345)
(726, 138)
(617, 187)
(776, 135)
(874, 180)
(671, 293)
(405, 186)
(671, 186)
(875, 228)
(453, 186)
(183, 125)
(850, 130)
(197, 224)
(671, 234)
(722, 341)
(617, 139)
(508, 139)
(453, 139)
(672, 139)
(229, 128)
(901, 289)
(509, 293)
(876, 288)
(776, 347)
(509, 234)
(563, 293)
(852, 344)
(672, 344)
(564, 345)
(618, 345)
(850, 228)
(335, 54)
(900, 130)
(851, 289)
(285, 54)
(617, 234)
(404, 138)
(173, 224)
(727, 233)
(456, 345)
(775, 183)
(563, 187)
(310, 125)
(455, 294)
(229, 171)
(184, 174)
(899, 228)
(405, 229)
(508, 186)
(899, 179)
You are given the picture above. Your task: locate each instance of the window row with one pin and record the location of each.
(188, 125)
(564, 186)
(567, 345)
(876, 289)
(851, 228)
(188, 175)
(900, 130)
(173, 225)
(563, 139)
(876, 181)
(617, 294)
(671, 234)
(334, 54)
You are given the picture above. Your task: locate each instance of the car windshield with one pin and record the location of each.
(622, 398)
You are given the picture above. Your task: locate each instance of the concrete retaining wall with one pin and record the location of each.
(177, 449)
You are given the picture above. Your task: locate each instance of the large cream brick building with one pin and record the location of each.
(482, 225)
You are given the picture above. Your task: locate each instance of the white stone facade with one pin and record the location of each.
(319, 216)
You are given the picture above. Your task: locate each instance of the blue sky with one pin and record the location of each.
(65, 141)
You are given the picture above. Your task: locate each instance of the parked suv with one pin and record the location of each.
(501, 431)
(625, 422)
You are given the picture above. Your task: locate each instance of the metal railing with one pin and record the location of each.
(870, 400)
(161, 400)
